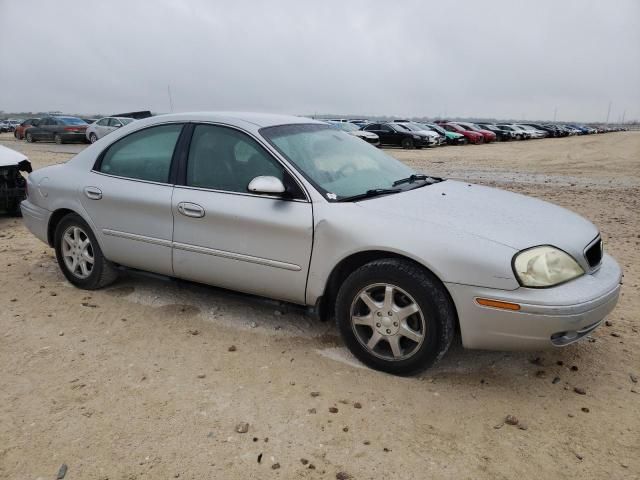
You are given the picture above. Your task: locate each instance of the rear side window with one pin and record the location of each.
(143, 155)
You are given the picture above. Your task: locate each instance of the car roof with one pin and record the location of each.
(240, 119)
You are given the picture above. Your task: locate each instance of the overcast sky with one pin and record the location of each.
(506, 59)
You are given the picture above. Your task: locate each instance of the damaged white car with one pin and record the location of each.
(12, 183)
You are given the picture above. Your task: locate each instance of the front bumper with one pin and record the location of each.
(36, 219)
(551, 317)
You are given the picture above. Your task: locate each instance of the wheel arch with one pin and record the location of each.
(351, 263)
(54, 220)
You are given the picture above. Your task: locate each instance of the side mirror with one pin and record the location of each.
(118, 125)
(269, 185)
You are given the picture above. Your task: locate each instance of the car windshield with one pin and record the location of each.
(72, 120)
(346, 126)
(411, 126)
(337, 164)
(436, 128)
(399, 127)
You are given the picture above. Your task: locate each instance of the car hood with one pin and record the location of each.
(484, 130)
(428, 133)
(362, 133)
(511, 219)
(10, 158)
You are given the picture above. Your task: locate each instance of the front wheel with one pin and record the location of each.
(93, 138)
(30, 138)
(58, 139)
(407, 143)
(395, 316)
(79, 255)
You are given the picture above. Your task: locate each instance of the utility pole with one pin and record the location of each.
(170, 98)
(608, 112)
(624, 112)
(555, 114)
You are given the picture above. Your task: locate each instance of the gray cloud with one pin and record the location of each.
(464, 58)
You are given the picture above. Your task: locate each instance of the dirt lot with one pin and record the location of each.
(138, 381)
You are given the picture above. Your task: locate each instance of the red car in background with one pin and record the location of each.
(20, 129)
(488, 135)
(472, 136)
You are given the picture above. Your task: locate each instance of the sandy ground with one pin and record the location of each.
(137, 381)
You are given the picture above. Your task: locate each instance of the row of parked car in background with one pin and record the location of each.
(400, 133)
(63, 128)
(412, 134)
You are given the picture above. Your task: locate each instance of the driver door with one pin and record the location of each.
(226, 236)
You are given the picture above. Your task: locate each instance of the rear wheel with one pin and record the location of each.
(79, 255)
(395, 316)
(407, 143)
(58, 139)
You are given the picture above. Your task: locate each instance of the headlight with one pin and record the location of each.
(545, 267)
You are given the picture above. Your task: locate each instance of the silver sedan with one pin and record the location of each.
(293, 209)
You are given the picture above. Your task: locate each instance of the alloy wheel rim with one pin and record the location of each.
(77, 252)
(388, 322)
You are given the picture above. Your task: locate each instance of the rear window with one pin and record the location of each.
(71, 120)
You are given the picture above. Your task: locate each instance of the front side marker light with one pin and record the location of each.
(487, 302)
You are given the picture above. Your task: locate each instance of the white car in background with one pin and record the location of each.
(534, 132)
(105, 126)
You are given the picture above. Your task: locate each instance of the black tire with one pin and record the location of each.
(407, 143)
(429, 294)
(58, 139)
(103, 272)
(93, 138)
(29, 138)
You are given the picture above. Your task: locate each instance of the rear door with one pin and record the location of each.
(226, 236)
(128, 197)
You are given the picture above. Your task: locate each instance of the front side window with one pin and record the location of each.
(114, 122)
(222, 158)
(103, 122)
(338, 164)
(143, 155)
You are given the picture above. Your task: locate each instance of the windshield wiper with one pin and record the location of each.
(410, 179)
(370, 193)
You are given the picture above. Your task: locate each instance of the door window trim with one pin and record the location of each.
(181, 178)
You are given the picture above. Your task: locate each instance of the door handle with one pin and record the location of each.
(189, 209)
(94, 193)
